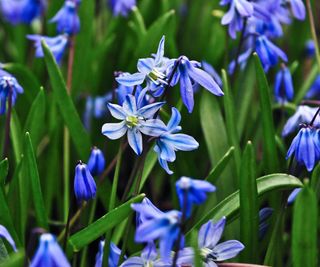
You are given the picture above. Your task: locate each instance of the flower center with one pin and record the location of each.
(132, 121)
(157, 76)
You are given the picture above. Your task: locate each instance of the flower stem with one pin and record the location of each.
(314, 117)
(7, 125)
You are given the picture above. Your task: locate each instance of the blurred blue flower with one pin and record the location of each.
(150, 69)
(306, 147)
(264, 216)
(7, 83)
(6, 235)
(114, 255)
(189, 73)
(170, 141)
(293, 195)
(56, 44)
(283, 87)
(268, 52)
(49, 253)
(191, 191)
(134, 121)
(242, 61)
(84, 185)
(211, 252)
(67, 18)
(239, 9)
(298, 9)
(303, 115)
(214, 74)
(314, 91)
(148, 213)
(96, 162)
(164, 226)
(309, 48)
(22, 11)
(122, 7)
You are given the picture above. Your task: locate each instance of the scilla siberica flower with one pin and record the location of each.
(170, 141)
(150, 69)
(283, 87)
(189, 73)
(56, 44)
(6, 235)
(306, 147)
(8, 83)
(309, 48)
(84, 185)
(264, 216)
(67, 18)
(191, 191)
(298, 9)
(122, 7)
(164, 226)
(314, 91)
(49, 253)
(114, 255)
(134, 122)
(210, 251)
(96, 162)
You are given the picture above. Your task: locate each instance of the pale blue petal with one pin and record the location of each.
(293, 195)
(114, 130)
(146, 65)
(174, 120)
(150, 110)
(135, 140)
(186, 91)
(218, 228)
(131, 79)
(117, 111)
(130, 105)
(133, 262)
(182, 142)
(166, 151)
(151, 230)
(298, 9)
(149, 253)
(6, 235)
(227, 250)
(160, 52)
(152, 127)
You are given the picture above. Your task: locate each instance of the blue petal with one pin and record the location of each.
(208, 240)
(244, 7)
(166, 151)
(149, 253)
(298, 9)
(130, 105)
(114, 130)
(182, 142)
(174, 120)
(288, 84)
(152, 127)
(167, 242)
(146, 65)
(5, 234)
(160, 52)
(150, 110)
(117, 111)
(151, 230)
(292, 197)
(227, 250)
(135, 140)
(186, 91)
(131, 79)
(133, 262)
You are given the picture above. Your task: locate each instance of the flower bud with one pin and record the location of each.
(97, 162)
(84, 184)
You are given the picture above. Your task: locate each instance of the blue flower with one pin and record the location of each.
(309, 48)
(8, 83)
(122, 7)
(314, 91)
(170, 141)
(210, 251)
(239, 9)
(114, 255)
(268, 52)
(6, 235)
(150, 69)
(164, 226)
(292, 197)
(84, 184)
(264, 215)
(242, 61)
(67, 18)
(96, 162)
(56, 44)
(49, 253)
(306, 147)
(134, 121)
(283, 88)
(214, 74)
(189, 73)
(191, 191)
(303, 115)
(298, 9)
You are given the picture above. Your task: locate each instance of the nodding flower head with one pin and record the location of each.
(96, 162)
(283, 88)
(122, 7)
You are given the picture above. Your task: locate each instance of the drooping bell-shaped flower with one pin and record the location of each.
(96, 162)
(6, 235)
(309, 48)
(114, 255)
(84, 185)
(283, 87)
(67, 18)
(264, 216)
(122, 7)
(298, 9)
(49, 253)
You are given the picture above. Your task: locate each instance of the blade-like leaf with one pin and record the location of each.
(69, 113)
(4, 168)
(102, 225)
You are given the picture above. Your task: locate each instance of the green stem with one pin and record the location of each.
(66, 172)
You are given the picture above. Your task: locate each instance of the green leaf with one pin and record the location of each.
(15, 260)
(270, 150)
(16, 136)
(304, 229)
(4, 168)
(150, 161)
(230, 206)
(102, 225)
(69, 113)
(3, 252)
(36, 118)
(40, 211)
(249, 206)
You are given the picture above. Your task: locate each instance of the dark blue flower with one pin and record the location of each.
(170, 141)
(214, 74)
(164, 226)
(67, 18)
(49, 253)
(264, 216)
(122, 7)
(191, 191)
(56, 44)
(292, 197)
(84, 184)
(242, 61)
(309, 48)
(114, 255)
(306, 147)
(283, 87)
(8, 83)
(314, 91)
(6, 235)
(189, 73)
(96, 162)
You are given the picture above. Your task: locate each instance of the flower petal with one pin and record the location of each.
(117, 111)
(131, 79)
(149, 110)
(182, 142)
(186, 91)
(174, 120)
(135, 140)
(152, 127)
(227, 250)
(5, 234)
(130, 105)
(146, 65)
(114, 130)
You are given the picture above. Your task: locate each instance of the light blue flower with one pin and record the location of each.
(6, 235)
(114, 255)
(122, 7)
(134, 122)
(171, 141)
(242, 61)
(210, 251)
(84, 185)
(150, 69)
(214, 74)
(191, 191)
(67, 18)
(283, 87)
(49, 253)
(96, 162)
(56, 44)
(164, 226)
(298, 9)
